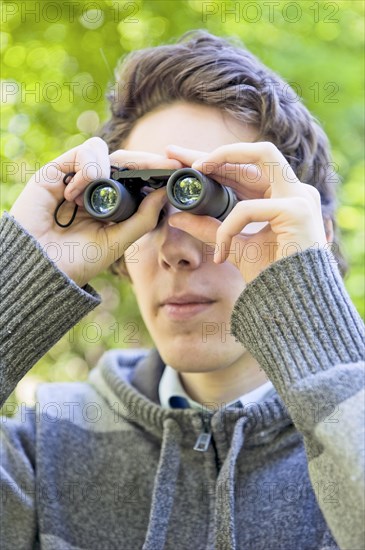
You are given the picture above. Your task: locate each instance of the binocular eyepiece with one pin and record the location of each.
(117, 198)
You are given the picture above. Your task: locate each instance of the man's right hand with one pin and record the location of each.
(88, 246)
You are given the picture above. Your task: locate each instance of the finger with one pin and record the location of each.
(79, 200)
(90, 159)
(245, 179)
(184, 155)
(91, 163)
(265, 155)
(228, 174)
(133, 160)
(203, 228)
(51, 178)
(66, 162)
(143, 221)
(278, 212)
(139, 160)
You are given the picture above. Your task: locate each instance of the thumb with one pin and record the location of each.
(203, 228)
(143, 221)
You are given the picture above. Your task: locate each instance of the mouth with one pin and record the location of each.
(185, 306)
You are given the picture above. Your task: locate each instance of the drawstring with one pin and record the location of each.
(165, 486)
(225, 497)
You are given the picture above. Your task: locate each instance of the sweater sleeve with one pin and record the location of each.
(38, 304)
(297, 320)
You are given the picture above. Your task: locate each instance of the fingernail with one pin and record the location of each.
(217, 258)
(173, 220)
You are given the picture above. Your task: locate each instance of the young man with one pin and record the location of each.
(250, 439)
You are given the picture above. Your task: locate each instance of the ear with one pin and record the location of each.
(328, 226)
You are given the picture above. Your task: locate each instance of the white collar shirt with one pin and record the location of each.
(173, 395)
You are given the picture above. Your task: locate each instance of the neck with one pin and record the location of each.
(226, 384)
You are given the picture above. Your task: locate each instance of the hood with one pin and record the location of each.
(128, 380)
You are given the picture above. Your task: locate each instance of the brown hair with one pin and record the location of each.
(206, 69)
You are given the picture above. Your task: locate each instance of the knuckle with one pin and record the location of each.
(117, 153)
(268, 147)
(87, 149)
(312, 191)
(97, 141)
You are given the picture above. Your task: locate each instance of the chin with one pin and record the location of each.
(199, 358)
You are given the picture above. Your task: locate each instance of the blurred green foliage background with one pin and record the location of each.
(58, 60)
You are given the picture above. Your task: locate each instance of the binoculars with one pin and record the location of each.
(117, 198)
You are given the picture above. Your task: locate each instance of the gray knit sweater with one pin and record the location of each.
(100, 465)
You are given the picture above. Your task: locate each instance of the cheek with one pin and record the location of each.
(142, 269)
(133, 254)
(141, 260)
(231, 280)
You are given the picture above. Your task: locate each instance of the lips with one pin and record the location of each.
(186, 306)
(187, 299)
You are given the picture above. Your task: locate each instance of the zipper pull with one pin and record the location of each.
(203, 441)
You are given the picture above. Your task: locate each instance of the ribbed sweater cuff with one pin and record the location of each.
(296, 318)
(38, 302)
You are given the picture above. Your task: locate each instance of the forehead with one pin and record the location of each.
(198, 127)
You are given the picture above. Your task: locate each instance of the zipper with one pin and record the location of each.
(204, 438)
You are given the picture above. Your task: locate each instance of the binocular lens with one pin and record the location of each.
(117, 198)
(103, 199)
(187, 190)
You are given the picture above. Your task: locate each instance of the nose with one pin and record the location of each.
(178, 250)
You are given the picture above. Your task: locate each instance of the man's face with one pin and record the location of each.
(185, 299)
